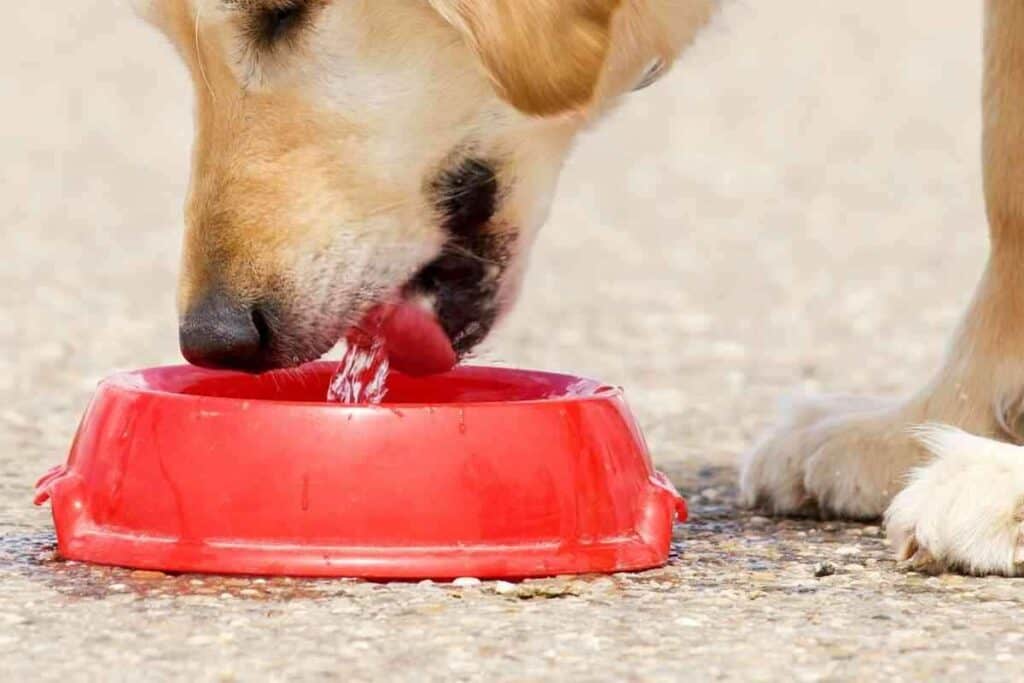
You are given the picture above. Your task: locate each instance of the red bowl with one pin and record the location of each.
(479, 472)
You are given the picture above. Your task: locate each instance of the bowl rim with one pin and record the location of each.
(135, 382)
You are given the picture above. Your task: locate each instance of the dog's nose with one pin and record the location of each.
(219, 332)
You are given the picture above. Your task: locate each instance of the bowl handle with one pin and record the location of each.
(47, 482)
(678, 502)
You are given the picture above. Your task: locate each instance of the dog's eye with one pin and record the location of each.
(278, 24)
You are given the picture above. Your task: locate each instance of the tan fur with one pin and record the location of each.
(544, 56)
(266, 166)
(854, 459)
(312, 162)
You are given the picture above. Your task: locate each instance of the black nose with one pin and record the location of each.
(219, 332)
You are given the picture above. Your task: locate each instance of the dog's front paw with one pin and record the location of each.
(964, 511)
(841, 456)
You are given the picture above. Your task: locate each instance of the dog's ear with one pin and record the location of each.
(545, 57)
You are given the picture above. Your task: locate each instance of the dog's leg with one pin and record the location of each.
(850, 457)
(964, 510)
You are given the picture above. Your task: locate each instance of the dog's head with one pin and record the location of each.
(351, 151)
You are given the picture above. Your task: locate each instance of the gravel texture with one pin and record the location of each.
(796, 209)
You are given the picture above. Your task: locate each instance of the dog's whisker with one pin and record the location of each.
(459, 250)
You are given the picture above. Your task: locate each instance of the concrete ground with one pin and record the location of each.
(797, 208)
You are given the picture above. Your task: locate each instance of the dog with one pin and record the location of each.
(348, 151)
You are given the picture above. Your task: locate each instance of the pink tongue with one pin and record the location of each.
(415, 343)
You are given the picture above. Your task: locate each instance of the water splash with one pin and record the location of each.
(362, 376)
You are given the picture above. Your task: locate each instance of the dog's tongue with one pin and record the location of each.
(415, 343)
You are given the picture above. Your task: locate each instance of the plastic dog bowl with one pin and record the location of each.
(478, 472)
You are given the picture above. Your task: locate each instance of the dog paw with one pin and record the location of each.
(831, 456)
(964, 511)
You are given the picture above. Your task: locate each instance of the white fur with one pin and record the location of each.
(963, 509)
(838, 454)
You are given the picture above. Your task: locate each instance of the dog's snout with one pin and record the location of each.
(219, 332)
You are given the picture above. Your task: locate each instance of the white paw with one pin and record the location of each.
(842, 456)
(962, 511)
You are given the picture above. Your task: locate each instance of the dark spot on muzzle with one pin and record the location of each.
(467, 196)
(465, 279)
(465, 284)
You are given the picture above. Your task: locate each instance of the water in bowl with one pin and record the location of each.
(362, 376)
